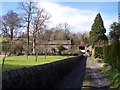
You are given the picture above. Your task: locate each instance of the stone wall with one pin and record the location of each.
(40, 76)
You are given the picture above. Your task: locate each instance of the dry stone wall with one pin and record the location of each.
(40, 76)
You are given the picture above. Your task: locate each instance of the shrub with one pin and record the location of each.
(5, 45)
(61, 49)
(111, 55)
(99, 52)
(16, 48)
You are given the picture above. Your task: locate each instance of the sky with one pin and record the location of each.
(79, 15)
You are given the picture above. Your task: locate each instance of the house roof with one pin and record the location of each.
(56, 42)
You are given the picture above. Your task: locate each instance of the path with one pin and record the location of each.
(94, 79)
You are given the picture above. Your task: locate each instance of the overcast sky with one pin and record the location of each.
(79, 15)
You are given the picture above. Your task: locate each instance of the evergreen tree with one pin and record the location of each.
(97, 34)
(115, 32)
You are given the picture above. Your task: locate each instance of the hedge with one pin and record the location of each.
(111, 55)
(99, 52)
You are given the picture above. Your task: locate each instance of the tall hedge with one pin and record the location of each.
(111, 55)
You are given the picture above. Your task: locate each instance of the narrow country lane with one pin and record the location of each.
(94, 79)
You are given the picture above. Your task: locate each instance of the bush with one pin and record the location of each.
(99, 52)
(111, 55)
(5, 45)
(61, 49)
(16, 48)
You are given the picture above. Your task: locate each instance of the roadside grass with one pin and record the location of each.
(14, 62)
(113, 75)
(0, 44)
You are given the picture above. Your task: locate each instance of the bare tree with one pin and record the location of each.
(39, 24)
(66, 28)
(61, 32)
(47, 36)
(11, 21)
(3, 27)
(29, 9)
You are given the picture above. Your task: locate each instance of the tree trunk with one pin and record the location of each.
(3, 61)
(28, 26)
(36, 57)
(34, 49)
(34, 46)
(45, 51)
(28, 40)
(11, 32)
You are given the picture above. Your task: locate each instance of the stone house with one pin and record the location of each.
(52, 46)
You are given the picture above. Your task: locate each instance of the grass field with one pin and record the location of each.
(0, 39)
(14, 62)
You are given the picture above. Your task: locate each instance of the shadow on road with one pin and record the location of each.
(94, 79)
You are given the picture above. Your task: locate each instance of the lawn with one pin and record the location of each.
(14, 62)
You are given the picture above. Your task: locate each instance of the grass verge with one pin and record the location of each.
(113, 75)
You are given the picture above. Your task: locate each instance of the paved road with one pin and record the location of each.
(94, 79)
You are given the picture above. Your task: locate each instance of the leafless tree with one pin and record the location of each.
(11, 22)
(66, 28)
(39, 24)
(61, 32)
(3, 27)
(29, 9)
(47, 36)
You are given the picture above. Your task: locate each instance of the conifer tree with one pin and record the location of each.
(97, 34)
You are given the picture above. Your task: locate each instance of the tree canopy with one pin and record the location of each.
(115, 32)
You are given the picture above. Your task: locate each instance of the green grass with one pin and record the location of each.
(0, 39)
(113, 75)
(14, 62)
(0, 43)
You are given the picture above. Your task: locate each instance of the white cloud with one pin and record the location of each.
(79, 20)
